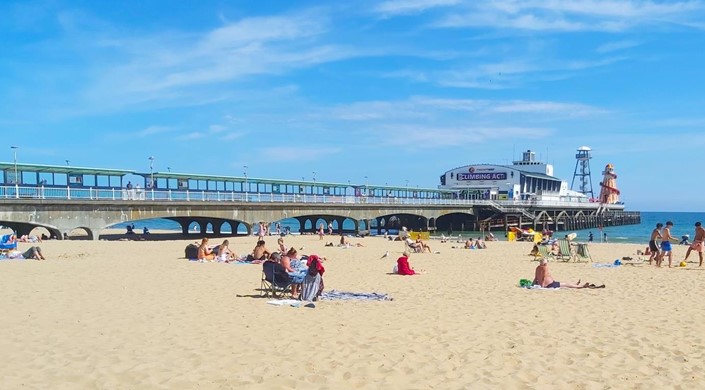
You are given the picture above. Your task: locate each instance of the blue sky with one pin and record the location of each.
(393, 90)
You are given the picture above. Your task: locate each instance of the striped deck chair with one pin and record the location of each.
(544, 252)
(583, 253)
(565, 252)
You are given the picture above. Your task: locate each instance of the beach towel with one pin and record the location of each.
(334, 295)
(537, 287)
(311, 287)
(292, 303)
(605, 265)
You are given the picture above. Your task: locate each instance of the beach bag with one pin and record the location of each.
(191, 251)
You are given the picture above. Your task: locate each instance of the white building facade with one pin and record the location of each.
(526, 179)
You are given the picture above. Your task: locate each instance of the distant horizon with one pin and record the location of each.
(389, 91)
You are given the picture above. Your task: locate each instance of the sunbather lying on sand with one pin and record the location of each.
(544, 279)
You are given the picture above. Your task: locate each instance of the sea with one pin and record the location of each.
(683, 223)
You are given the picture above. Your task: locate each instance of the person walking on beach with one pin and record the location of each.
(590, 237)
(653, 245)
(697, 244)
(666, 245)
(321, 231)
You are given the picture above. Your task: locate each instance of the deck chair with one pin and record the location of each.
(6, 245)
(565, 252)
(274, 282)
(544, 252)
(583, 253)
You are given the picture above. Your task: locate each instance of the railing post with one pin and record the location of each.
(188, 196)
(169, 194)
(17, 190)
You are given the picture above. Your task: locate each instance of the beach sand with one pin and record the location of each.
(137, 315)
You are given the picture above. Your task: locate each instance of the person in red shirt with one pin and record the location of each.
(403, 267)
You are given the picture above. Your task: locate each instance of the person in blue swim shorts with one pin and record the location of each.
(666, 249)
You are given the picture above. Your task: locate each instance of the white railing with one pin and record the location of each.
(117, 194)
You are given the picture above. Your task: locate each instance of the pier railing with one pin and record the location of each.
(117, 194)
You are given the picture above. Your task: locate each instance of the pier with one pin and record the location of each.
(92, 200)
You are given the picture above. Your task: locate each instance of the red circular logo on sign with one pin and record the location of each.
(471, 170)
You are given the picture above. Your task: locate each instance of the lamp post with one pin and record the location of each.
(313, 189)
(151, 175)
(247, 186)
(14, 156)
(406, 186)
(367, 191)
(68, 162)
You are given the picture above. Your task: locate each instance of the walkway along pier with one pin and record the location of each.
(367, 213)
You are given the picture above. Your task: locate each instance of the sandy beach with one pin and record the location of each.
(137, 315)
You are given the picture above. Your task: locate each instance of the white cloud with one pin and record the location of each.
(396, 7)
(437, 137)
(191, 136)
(610, 47)
(153, 130)
(188, 66)
(572, 16)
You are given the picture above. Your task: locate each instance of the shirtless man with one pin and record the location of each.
(697, 244)
(666, 245)
(653, 245)
(543, 278)
(260, 252)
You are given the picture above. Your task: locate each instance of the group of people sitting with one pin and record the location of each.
(304, 274)
(477, 244)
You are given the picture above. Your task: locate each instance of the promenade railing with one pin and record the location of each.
(118, 194)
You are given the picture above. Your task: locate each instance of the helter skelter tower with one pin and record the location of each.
(609, 193)
(582, 172)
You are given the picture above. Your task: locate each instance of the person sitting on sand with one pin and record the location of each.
(260, 251)
(469, 244)
(480, 244)
(280, 243)
(225, 253)
(205, 253)
(34, 253)
(489, 237)
(403, 267)
(343, 240)
(543, 278)
(424, 247)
